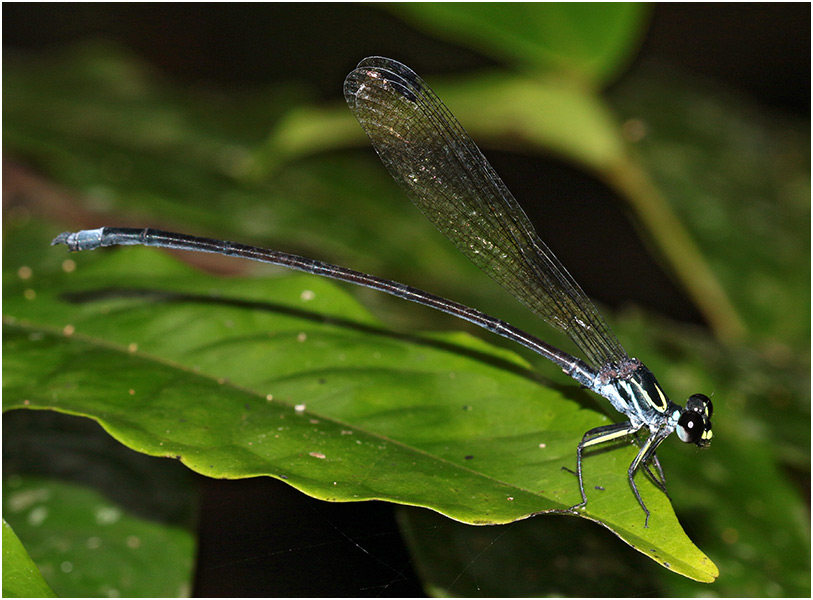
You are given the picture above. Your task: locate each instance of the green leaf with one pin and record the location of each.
(536, 112)
(21, 577)
(586, 42)
(86, 545)
(288, 377)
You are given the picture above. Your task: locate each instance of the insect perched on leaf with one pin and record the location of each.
(442, 170)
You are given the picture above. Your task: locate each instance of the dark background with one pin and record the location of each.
(762, 49)
(261, 537)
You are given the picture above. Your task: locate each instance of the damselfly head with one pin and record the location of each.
(694, 425)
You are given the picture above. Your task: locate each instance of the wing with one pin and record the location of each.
(444, 173)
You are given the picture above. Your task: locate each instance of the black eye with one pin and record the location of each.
(700, 403)
(705, 402)
(709, 405)
(690, 427)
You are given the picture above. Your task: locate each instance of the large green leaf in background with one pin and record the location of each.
(141, 152)
(578, 42)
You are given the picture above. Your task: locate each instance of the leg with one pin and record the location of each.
(599, 435)
(645, 455)
(657, 476)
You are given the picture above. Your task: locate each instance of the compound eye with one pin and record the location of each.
(701, 403)
(690, 427)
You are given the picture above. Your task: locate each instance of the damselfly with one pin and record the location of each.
(442, 170)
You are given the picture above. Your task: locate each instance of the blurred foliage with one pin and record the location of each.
(748, 201)
(576, 42)
(98, 519)
(85, 545)
(21, 577)
(112, 143)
